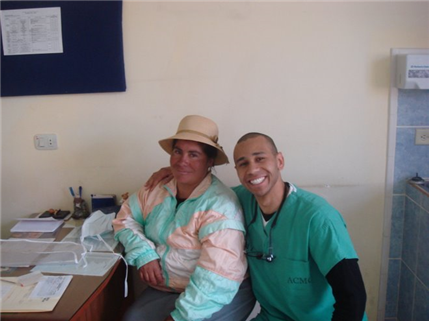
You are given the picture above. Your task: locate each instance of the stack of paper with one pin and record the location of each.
(39, 297)
(44, 225)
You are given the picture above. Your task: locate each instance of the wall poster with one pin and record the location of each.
(61, 47)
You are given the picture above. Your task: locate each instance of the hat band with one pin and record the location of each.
(213, 139)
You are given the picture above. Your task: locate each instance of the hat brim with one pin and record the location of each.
(167, 145)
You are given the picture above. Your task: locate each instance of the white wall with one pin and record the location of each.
(314, 76)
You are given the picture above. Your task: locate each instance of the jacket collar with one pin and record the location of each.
(197, 192)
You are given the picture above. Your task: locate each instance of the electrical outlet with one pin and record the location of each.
(45, 141)
(422, 136)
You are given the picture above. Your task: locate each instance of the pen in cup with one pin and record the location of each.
(71, 191)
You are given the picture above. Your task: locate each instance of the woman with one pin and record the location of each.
(187, 237)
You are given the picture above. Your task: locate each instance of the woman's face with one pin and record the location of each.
(189, 163)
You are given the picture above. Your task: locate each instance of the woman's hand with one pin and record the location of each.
(151, 273)
(164, 175)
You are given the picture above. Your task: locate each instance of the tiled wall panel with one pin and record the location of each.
(407, 296)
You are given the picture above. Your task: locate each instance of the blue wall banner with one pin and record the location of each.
(88, 59)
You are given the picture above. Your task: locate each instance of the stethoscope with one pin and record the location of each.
(270, 256)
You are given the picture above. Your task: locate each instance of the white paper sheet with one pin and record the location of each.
(39, 297)
(5, 289)
(43, 225)
(51, 287)
(31, 31)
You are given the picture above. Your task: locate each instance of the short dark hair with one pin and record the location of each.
(256, 134)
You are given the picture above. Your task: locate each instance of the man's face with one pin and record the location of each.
(258, 166)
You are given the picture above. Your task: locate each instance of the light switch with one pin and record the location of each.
(45, 141)
(41, 142)
(422, 136)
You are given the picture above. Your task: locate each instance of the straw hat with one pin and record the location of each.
(198, 129)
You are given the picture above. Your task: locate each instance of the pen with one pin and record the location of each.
(26, 279)
(71, 191)
(80, 191)
(9, 281)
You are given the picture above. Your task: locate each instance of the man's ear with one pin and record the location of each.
(280, 160)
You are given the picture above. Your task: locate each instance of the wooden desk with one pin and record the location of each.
(87, 298)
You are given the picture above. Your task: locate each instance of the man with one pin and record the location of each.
(302, 262)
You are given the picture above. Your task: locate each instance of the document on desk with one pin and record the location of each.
(40, 297)
(44, 225)
(97, 264)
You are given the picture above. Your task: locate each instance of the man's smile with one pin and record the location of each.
(257, 181)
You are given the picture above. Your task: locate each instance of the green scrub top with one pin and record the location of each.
(308, 239)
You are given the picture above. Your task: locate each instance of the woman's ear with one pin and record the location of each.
(211, 164)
